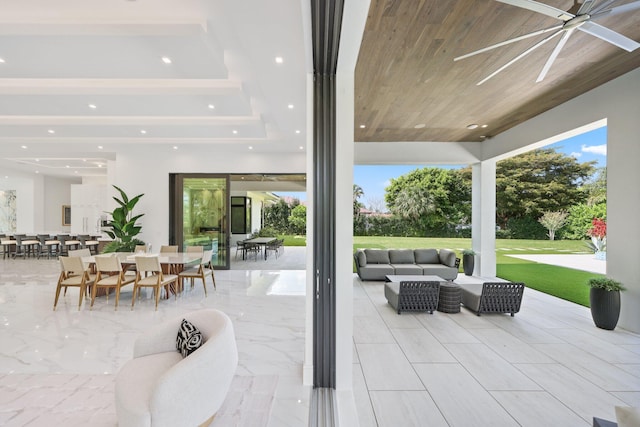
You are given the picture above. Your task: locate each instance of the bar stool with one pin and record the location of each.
(86, 242)
(48, 245)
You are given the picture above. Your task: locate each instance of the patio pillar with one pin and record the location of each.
(483, 217)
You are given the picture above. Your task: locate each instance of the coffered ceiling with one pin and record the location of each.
(408, 87)
(82, 80)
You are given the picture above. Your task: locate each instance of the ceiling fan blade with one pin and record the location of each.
(540, 8)
(506, 42)
(601, 7)
(522, 55)
(625, 8)
(554, 55)
(609, 36)
(586, 6)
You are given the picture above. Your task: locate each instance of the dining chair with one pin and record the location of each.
(167, 249)
(149, 274)
(273, 246)
(88, 242)
(240, 247)
(48, 245)
(140, 249)
(109, 275)
(204, 269)
(74, 274)
(21, 248)
(252, 248)
(194, 249)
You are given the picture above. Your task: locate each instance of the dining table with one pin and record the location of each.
(171, 263)
(261, 242)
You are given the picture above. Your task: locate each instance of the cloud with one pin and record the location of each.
(576, 155)
(595, 149)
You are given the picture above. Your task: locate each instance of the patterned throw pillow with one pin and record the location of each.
(189, 338)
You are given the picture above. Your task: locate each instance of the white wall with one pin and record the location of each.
(618, 103)
(39, 200)
(136, 171)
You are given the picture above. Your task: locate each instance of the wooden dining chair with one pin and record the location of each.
(73, 274)
(204, 269)
(149, 274)
(168, 249)
(109, 275)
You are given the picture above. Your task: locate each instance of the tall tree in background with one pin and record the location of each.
(596, 188)
(357, 193)
(537, 181)
(449, 197)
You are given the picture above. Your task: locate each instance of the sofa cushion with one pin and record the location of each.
(426, 256)
(404, 269)
(377, 256)
(447, 257)
(189, 338)
(376, 271)
(362, 258)
(447, 273)
(401, 256)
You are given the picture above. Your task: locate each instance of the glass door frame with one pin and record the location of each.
(176, 211)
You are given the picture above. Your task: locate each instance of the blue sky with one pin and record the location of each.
(373, 179)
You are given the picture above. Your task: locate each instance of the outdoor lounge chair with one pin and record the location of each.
(492, 297)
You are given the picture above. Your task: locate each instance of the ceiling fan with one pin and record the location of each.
(582, 19)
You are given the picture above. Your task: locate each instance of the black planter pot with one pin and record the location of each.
(467, 264)
(605, 308)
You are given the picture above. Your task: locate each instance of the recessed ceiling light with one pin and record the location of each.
(290, 106)
(484, 126)
(99, 165)
(175, 147)
(211, 106)
(1, 60)
(6, 177)
(142, 131)
(362, 126)
(67, 166)
(93, 106)
(279, 59)
(250, 147)
(51, 131)
(24, 147)
(472, 126)
(166, 60)
(84, 160)
(75, 171)
(235, 132)
(37, 160)
(301, 147)
(100, 147)
(297, 130)
(37, 171)
(420, 126)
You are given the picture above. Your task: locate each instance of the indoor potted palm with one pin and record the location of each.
(604, 299)
(468, 261)
(122, 226)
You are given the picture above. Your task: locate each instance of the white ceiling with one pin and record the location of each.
(223, 85)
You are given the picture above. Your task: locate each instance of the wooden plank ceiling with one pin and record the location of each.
(408, 88)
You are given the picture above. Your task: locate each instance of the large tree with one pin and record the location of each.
(537, 181)
(448, 202)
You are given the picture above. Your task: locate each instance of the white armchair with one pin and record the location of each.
(159, 387)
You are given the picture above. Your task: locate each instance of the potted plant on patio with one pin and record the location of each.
(123, 227)
(604, 299)
(468, 261)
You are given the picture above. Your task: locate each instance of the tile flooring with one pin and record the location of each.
(548, 365)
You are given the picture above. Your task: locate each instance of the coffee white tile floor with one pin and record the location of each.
(548, 365)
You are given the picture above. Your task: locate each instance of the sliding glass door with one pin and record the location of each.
(199, 214)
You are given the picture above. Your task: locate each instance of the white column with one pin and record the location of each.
(483, 217)
(307, 375)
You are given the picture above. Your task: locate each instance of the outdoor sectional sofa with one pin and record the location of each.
(376, 264)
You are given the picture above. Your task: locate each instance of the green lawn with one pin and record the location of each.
(562, 282)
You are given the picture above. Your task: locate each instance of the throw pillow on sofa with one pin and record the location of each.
(362, 258)
(426, 256)
(189, 338)
(377, 256)
(447, 257)
(401, 256)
